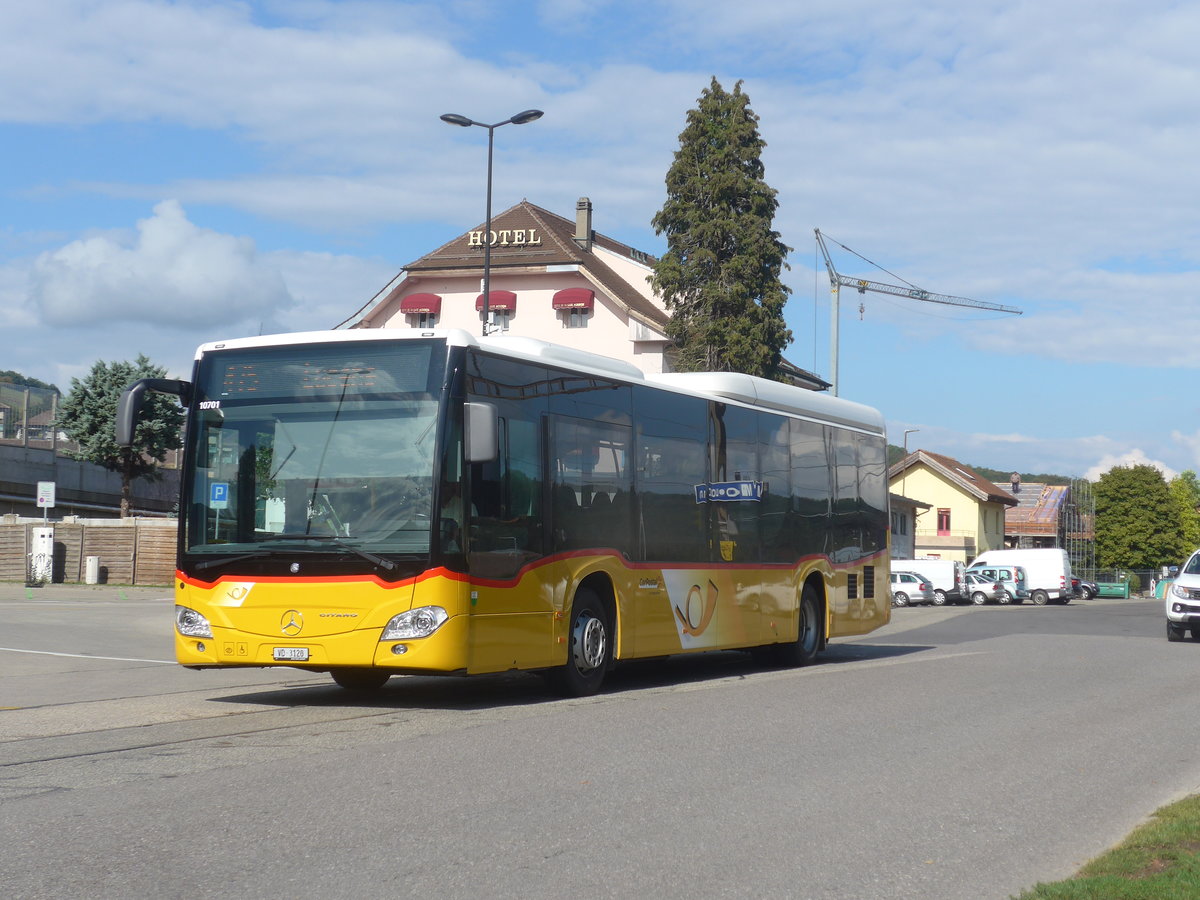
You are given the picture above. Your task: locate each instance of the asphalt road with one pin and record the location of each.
(958, 753)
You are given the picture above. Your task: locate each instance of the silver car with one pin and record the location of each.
(909, 587)
(983, 590)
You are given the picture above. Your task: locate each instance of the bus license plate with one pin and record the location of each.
(292, 654)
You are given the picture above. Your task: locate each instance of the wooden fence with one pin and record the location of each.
(130, 551)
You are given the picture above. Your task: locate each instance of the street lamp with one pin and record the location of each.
(520, 118)
(904, 477)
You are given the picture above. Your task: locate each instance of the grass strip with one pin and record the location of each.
(1160, 860)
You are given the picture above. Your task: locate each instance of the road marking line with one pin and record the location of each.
(88, 656)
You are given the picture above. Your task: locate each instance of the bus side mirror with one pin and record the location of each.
(479, 432)
(133, 398)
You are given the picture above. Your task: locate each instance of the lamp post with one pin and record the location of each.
(520, 118)
(904, 476)
(907, 432)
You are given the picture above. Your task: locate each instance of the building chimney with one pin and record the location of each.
(583, 223)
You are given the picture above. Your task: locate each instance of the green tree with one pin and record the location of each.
(8, 376)
(89, 411)
(1136, 523)
(720, 276)
(1185, 492)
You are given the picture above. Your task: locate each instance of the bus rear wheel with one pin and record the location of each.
(360, 679)
(590, 648)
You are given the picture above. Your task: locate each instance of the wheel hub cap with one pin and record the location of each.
(590, 643)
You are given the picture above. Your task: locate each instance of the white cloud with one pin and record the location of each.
(1188, 446)
(170, 273)
(15, 310)
(1134, 457)
(328, 287)
(966, 146)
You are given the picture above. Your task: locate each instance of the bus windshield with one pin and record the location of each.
(326, 447)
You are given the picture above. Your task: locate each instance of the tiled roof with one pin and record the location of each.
(558, 247)
(1039, 508)
(957, 472)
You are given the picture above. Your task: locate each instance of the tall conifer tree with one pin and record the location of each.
(720, 276)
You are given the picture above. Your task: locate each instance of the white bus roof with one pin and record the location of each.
(735, 386)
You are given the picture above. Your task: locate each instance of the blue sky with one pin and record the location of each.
(177, 172)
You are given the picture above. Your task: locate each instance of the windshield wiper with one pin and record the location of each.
(222, 560)
(386, 564)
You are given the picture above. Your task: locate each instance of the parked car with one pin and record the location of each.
(1088, 590)
(909, 587)
(983, 590)
(1183, 601)
(1012, 578)
(944, 574)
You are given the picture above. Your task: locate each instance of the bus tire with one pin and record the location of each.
(810, 632)
(589, 650)
(360, 679)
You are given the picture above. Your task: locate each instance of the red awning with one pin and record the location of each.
(498, 300)
(421, 303)
(574, 298)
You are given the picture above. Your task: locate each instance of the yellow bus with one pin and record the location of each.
(378, 503)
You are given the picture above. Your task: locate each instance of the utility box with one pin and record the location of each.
(41, 556)
(91, 570)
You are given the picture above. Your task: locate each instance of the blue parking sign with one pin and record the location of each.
(218, 494)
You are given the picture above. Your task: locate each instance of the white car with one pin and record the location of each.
(1183, 601)
(909, 587)
(983, 590)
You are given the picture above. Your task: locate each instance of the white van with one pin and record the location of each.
(946, 576)
(1047, 571)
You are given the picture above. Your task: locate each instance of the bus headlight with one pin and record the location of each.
(191, 623)
(416, 623)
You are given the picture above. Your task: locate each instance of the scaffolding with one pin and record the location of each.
(1079, 528)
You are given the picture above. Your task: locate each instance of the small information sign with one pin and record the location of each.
(218, 495)
(45, 495)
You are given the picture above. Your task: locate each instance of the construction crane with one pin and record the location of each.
(862, 285)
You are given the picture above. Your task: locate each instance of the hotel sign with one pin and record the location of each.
(508, 237)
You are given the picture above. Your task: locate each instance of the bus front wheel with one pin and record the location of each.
(590, 650)
(360, 679)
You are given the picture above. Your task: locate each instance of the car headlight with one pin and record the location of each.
(1178, 590)
(416, 623)
(191, 624)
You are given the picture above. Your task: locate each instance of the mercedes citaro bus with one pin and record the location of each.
(371, 503)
